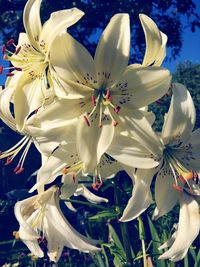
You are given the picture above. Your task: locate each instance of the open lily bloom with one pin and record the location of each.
(44, 140)
(189, 222)
(32, 57)
(66, 162)
(41, 216)
(103, 92)
(179, 162)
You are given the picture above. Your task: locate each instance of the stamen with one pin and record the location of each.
(3, 49)
(10, 74)
(117, 109)
(115, 123)
(93, 100)
(177, 187)
(1, 69)
(86, 120)
(11, 41)
(8, 161)
(18, 50)
(16, 234)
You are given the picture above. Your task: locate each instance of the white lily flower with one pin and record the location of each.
(32, 57)
(44, 140)
(179, 163)
(66, 162)
(103, 91)
(41, 216)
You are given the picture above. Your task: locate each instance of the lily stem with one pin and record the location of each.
(124, 231)
(142, 238)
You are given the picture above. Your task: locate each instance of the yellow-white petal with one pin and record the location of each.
(32, 22)
(112, 53)
(180, 119)
(57, 23)
(155, 42)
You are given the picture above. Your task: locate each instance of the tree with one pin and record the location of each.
(167, 14)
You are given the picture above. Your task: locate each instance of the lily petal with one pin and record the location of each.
(112, 53)
(153, 82)
(93, 141)
(59, 21)
(83, 191)
(154, 41)
(180, 118)
(28, 98)
(165, 196)
(189, 222)
(128, 151)
(74, 67)
(141, 195)
(32, 22)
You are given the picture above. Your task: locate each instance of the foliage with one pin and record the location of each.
(168, 14)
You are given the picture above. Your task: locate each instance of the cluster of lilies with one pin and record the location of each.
(88, 117)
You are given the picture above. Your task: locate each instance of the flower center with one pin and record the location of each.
(100, 100)
(181, 174)
(26, 58)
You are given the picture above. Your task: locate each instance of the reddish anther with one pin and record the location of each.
(115, 123)
(3, 49)
(182, 179)
(93, 100)
(117, 109)
(8, 161)
(1, 69)
(5, 57)
(16, 168)
(18, 69)
(10, 74)
(74, 178)
(11, 41)
(18, 50)
(19, 171)
(86, 120)
(177, 187)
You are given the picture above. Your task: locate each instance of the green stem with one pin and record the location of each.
(88, 204)
(124, 231)
(142, 238)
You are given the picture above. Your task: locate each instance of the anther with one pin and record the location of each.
(16, 168)
(16, 234)
(10, 74)
(74, 177)
(8, 161)
(3, 49)
(18, 50)
(19, 171)
(182, 179)
(1, 69)
(18, 69)
(11, 41)
(5, 57)
(177, 187)
(115, 123)
(86, 120)
(117, 109)
(93, 100)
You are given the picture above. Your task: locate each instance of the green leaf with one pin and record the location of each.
(156, 241)
(100, 216)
